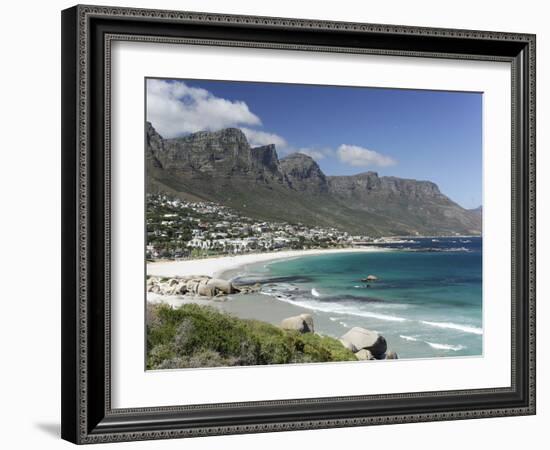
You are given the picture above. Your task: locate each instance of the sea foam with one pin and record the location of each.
(454, 348)
(408, 338)
(338, 309)
(454, 326)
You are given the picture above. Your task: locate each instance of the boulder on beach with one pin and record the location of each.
(391, 355)
(361, 338)
(223, 286)
(302, 323)
(154, 288)
(206, 290)
(176, 289)
(193, 285)
(308, 319)
(181, 288)
(247, 288)
(364, 355)
(348, 345)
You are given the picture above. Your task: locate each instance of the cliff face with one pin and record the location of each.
(222, 167)
(477, 211)
(154, 146)
(303, 174)
(370, 184)
(417, 205)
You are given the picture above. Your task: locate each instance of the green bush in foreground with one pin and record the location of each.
(201, 336)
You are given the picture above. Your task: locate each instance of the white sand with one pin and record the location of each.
(214, 267)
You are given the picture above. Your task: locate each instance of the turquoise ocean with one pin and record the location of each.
(427, 301)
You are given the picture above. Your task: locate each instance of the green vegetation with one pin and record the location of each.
(201, 336)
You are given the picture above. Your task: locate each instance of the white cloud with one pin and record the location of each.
(257, 138)
(175, 109)
(316, 153)
(363, 157)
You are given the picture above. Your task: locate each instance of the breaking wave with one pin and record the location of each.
(327, 307)
(454, 348)
(454, 326)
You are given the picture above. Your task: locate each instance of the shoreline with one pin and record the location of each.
(219, 267)
(411, 336)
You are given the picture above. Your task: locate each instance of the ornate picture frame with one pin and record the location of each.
(88, 33)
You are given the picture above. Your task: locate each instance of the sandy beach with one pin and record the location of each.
(250, 306)
(220, 267)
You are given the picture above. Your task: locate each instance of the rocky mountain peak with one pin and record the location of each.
(348, 185)
(266, 157)
(303, 173)
(221, 167)
(371, 183)
(411, 188)
(155, 145)
(226, 136)
(225, 151)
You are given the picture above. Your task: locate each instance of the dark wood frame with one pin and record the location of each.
(87, 32)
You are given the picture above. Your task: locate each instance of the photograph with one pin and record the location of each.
(273, 222)
(300, 223)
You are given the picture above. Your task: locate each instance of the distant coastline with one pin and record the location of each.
(220, 266)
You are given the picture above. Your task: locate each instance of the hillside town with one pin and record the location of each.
(178, 229)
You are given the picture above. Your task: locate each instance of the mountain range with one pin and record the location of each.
(222, 167)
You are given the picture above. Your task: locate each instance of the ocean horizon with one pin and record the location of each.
(427, 301)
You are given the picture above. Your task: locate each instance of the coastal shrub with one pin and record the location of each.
(203, 358)
(327, 345)
(201, 336)
(157, 355)
(276, 347)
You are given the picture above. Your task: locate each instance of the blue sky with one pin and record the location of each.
(425, 135)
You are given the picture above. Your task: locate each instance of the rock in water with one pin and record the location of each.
(302, 323)
(391, 355)
(369, 278)
(361, 338)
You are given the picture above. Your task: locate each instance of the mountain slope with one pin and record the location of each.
(222, 167)
(415, 205)
(477, 211)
